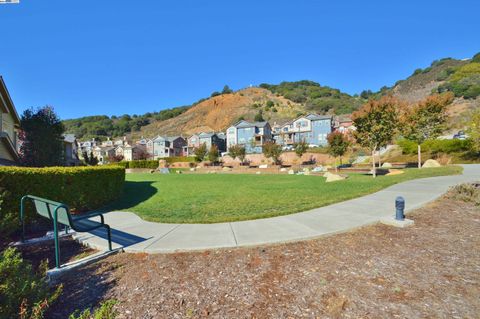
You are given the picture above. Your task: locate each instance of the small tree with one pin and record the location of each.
(226, 90)
(338, 145)
(376, 124)
(90, 160)
(237, 151)
(259, 116)
(213, 154)
(300, 148)
(42, 139)
(273, 151)
(200, 152)
(426, 120)
(474, 130)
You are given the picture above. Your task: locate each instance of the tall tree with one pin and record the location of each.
(426, 120)
(273, 151)
(338, 145)
(41, 138)
(376, 124)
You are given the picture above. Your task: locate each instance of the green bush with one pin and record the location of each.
(82, 188)
(151, 164)
(184, 159)
(436, 146)
(105, 311)
(23, 292)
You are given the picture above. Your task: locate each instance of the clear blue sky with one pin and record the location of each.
(115, 57)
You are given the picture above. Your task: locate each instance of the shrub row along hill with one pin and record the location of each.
(315, 97)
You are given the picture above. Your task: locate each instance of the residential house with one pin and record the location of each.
(192, 143)
(9, 127)
(87, 146)
(103, 153)
(70, 150)
(107, 143)
(312, 128)
(164, 146)
(213, 139)
(251, 135)
(344, 125)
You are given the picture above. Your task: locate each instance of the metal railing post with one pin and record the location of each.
(55, 233)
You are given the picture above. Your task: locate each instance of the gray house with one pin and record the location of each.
(213, 139)
(164, 146)
(252, 135)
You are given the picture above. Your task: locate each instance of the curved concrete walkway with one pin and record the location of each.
(136, 235)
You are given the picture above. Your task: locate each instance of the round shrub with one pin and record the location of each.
(81, 188)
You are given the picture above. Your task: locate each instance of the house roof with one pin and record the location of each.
(243, 124)
(206, 135)
(69, 138)
(7, 105)
(316, 117)
(173, 138)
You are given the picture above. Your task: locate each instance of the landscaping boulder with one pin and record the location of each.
(333, 177)
(318, 169)
(164, 170)
(263, 166)
(291, 172)
(306, 171)
(387, 165)
(258, 173)
(392, 172)
(193, 169)
(431, 163)
(226, 169)
(283, 169)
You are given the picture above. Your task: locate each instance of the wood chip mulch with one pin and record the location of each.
(430, 270)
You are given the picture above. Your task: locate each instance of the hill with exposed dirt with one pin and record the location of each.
(219, 112)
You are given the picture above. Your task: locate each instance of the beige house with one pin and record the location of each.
(9, 127)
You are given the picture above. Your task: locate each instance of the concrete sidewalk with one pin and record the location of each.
(133, 234)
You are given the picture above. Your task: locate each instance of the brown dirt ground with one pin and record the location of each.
(430, 270)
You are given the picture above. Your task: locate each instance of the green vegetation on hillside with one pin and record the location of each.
(315, 97)
(463, 81)
(102, 126)
(209, 198)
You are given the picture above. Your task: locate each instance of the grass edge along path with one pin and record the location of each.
(215, 198)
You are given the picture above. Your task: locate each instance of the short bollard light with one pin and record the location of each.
(400, 208)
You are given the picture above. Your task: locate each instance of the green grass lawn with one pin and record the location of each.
(212, 198)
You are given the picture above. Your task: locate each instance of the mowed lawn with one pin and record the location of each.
(212, 198)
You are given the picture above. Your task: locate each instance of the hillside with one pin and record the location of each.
(221, 111)
(462, 77)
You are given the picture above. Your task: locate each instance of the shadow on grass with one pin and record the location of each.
(134, 193)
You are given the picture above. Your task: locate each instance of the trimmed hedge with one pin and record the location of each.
(153, 164)
(183, 159)
(82, 188)
(437, 146)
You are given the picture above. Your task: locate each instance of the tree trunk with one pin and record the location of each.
(374, 169)
(379, 160)
(419, 151)
(335, 163)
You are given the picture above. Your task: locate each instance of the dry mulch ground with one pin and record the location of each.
(430, 270)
